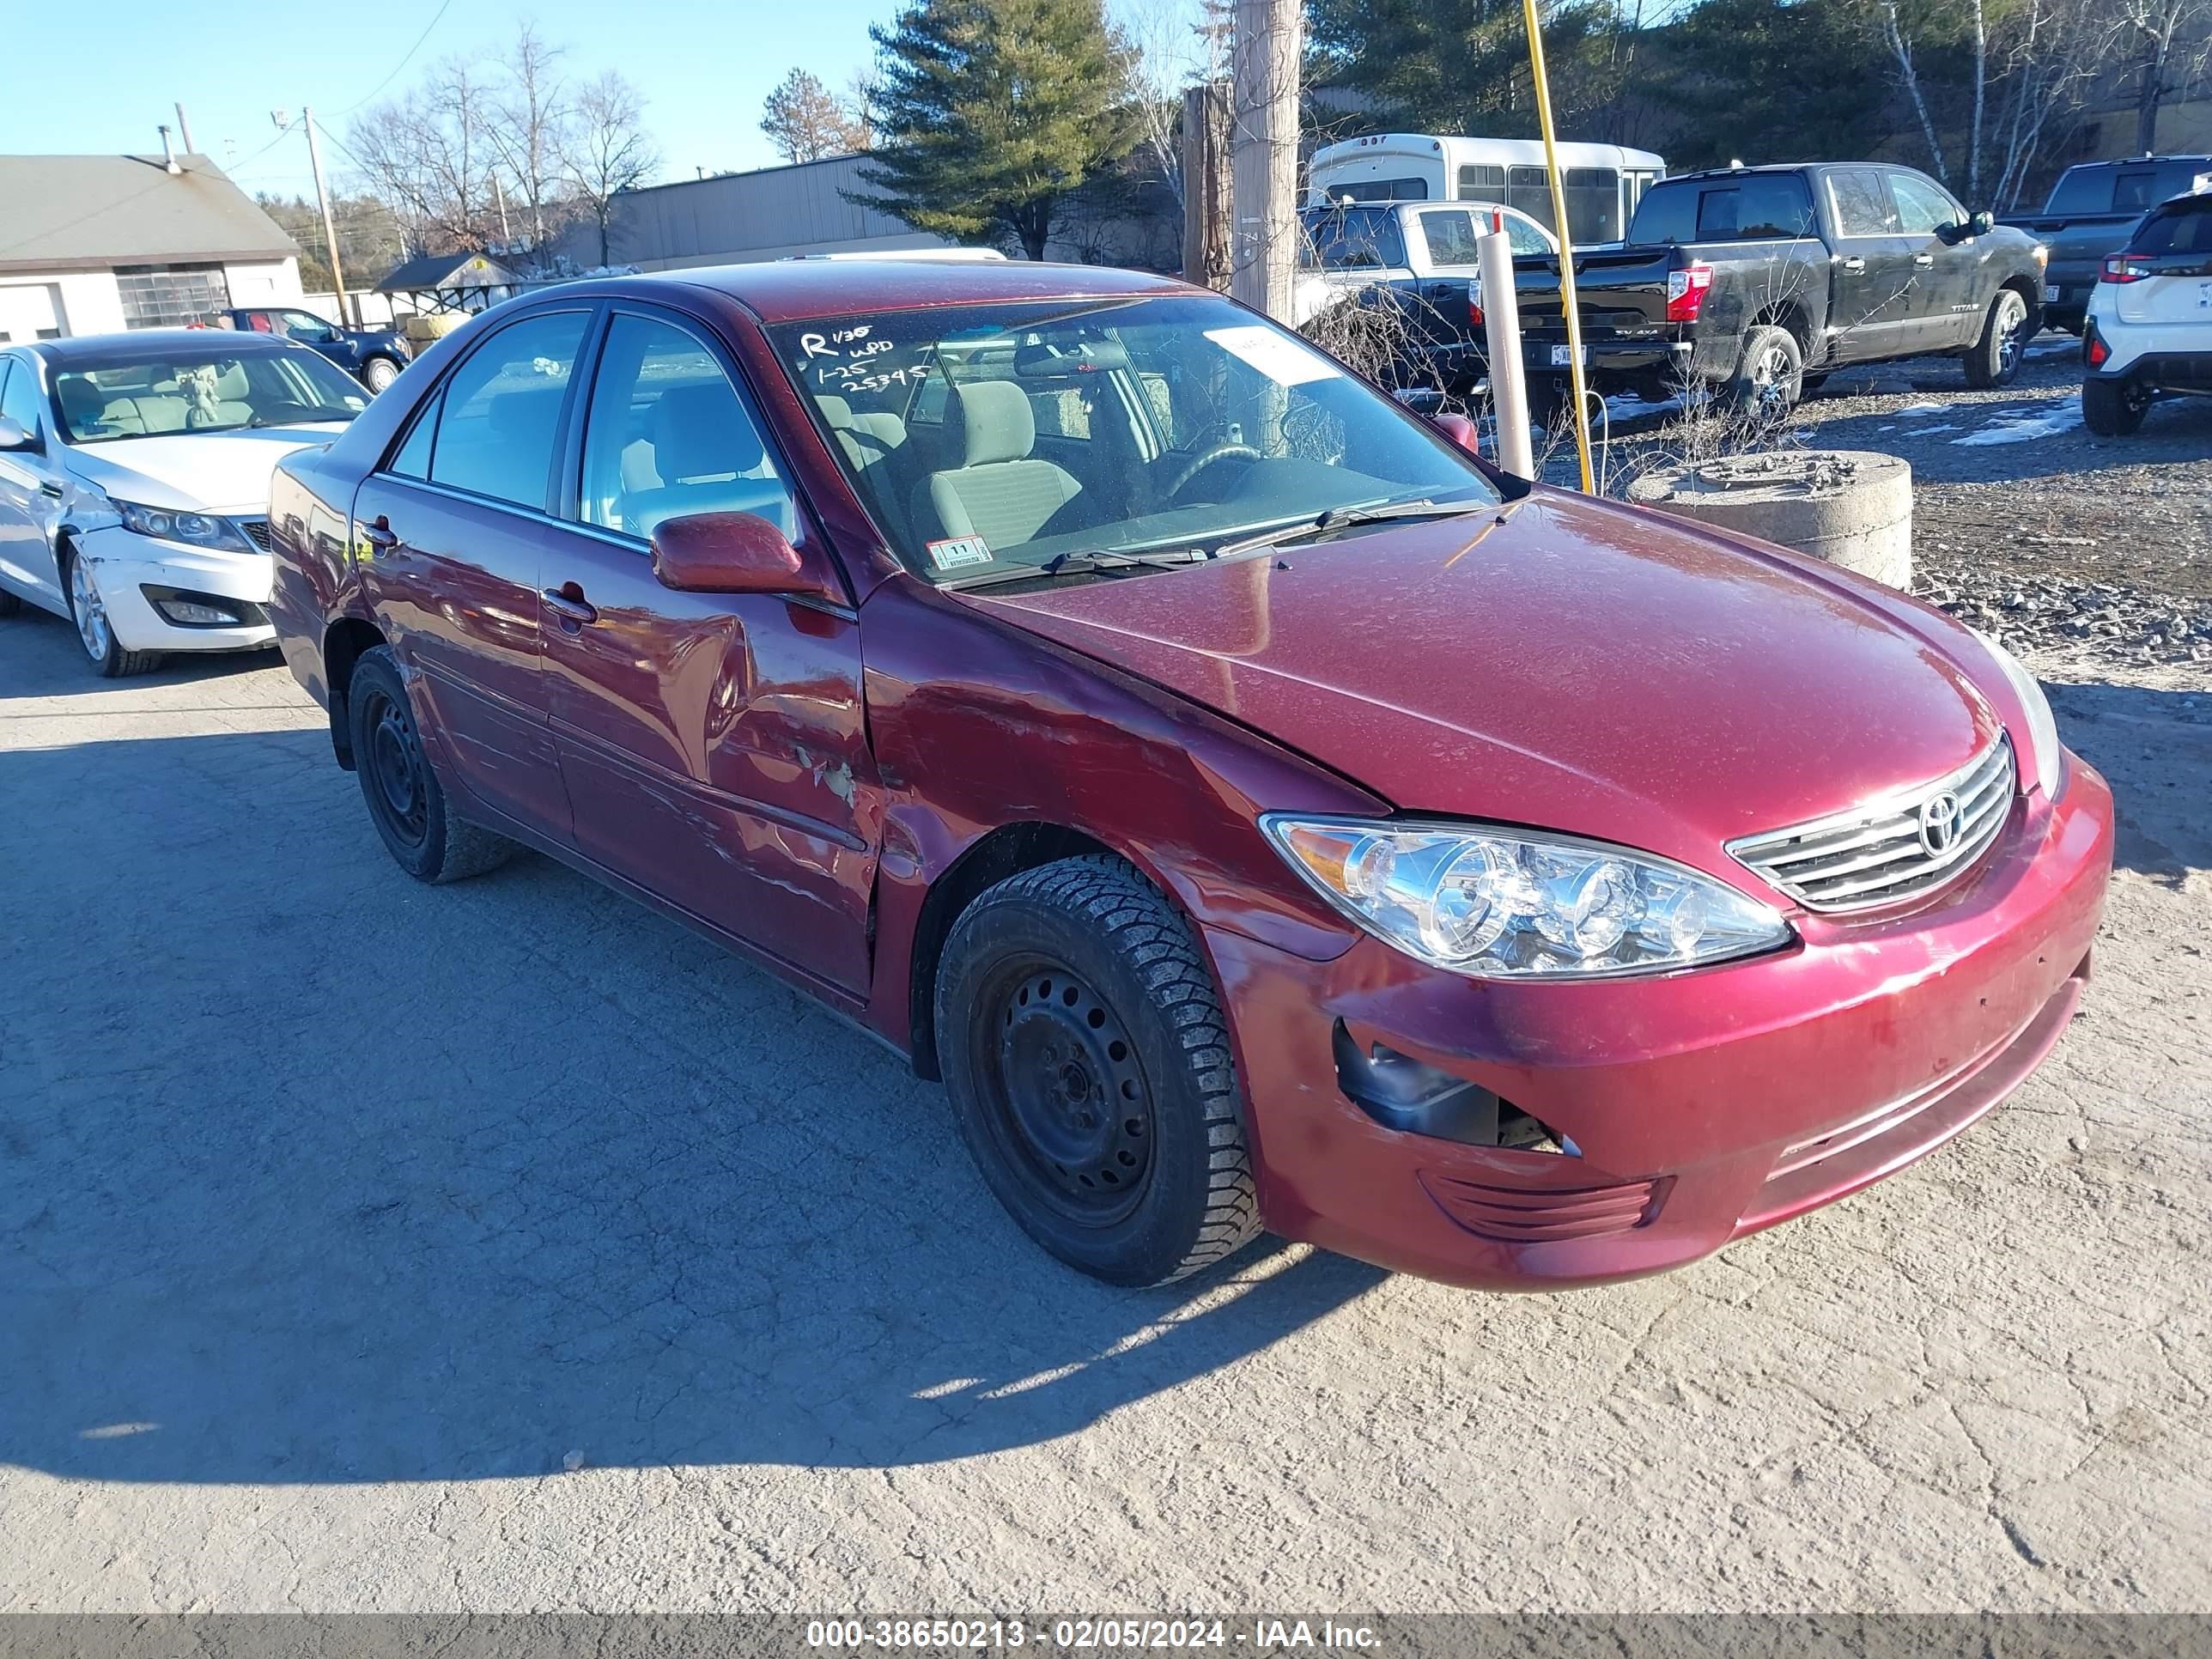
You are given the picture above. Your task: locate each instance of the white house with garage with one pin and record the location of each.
(91, 244)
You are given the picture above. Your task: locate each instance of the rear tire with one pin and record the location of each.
(1770, 378)
(405, 801)
(1089, 1064)
(2113, 408)
(1995, 359)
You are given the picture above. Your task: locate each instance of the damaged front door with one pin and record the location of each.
(713, 743)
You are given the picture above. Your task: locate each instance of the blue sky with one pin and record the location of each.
(107, 72)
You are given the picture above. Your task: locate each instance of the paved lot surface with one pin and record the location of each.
(339, 1217)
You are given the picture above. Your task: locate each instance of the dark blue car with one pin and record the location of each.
(373, 356)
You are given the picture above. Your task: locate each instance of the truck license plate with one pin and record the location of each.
(2050, 294)
(1564, 356)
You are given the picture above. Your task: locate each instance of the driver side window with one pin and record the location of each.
(1922, 210)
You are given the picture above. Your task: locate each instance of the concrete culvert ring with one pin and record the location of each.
(1851, 508)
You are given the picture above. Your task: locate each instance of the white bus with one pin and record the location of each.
(1602, 182)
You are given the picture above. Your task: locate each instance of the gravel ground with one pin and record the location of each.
(2024, 524)
(501, 1247)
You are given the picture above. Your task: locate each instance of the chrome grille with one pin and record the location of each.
(257, 532)
(1892, 848)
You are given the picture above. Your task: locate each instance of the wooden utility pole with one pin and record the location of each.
(1205, 186)
(1264, 155)
(330, 225)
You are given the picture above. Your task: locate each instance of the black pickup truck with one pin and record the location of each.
(373, 356)
(1759, 280)
(2093, 210)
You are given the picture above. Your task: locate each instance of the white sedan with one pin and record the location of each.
(134, 482)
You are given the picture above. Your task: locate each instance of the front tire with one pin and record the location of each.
(1995, 359)
(379, 373)
(1088, 1061)
(2113, 408)
(405, 801)
(89, 610)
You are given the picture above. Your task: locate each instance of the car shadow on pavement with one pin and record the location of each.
(308, 1173)
(2153, 745)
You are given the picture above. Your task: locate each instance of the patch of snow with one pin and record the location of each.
(2021, 426)
(1920, 408)
(2065, 345)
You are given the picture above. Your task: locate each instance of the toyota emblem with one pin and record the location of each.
(1942, 818)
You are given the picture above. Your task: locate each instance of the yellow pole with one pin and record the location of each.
(1566, 243)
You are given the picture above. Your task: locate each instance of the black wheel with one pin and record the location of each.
(89, 610)
(1995, 359)
(1089, 1065)
(2113, 408)
(1771, 377)
(379, 373)
(9, 603)
(404, 800)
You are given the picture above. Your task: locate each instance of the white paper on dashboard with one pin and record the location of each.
(1281, 359)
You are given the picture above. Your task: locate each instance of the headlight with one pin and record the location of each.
(1500, 904)
(200, 529)
(2042, 729)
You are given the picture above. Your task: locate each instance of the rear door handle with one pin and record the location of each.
(567, 602)
(48, 487)
(1924, 258)
(1855, 265)
(381, 534)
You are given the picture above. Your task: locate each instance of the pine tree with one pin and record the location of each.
(991, 110)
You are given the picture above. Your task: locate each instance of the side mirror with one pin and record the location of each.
(1461, 431)
(732, 553)
(1981, 223)
(13, 436)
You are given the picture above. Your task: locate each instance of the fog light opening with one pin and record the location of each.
(185, 609)
(1414, 1097)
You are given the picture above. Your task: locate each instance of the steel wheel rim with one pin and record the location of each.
(2012, 325)
(91, 614)
(1767, 375)
(1067, 1099)
(397, 772)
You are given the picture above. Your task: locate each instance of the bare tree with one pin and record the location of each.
(805, 122)
(1894, 36)
(428, 156)
(607, 151)
(864, 95)
(2170, 42)
(530, 117)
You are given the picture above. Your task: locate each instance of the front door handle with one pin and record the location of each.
(1854, 264)
(380, 534)
(49, 487)
(567, 602)
(1924, 258)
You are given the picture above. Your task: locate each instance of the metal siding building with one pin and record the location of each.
(740, 217)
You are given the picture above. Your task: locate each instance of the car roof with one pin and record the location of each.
(797, 290)
(157, 346)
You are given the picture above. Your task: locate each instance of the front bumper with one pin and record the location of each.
(1701, 1106)
(125, 565)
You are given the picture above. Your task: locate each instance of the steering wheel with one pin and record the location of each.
(1208, 458)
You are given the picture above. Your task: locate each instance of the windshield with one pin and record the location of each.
(1006, 435)
(219, 392)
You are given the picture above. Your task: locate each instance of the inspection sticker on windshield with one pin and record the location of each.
(956, 550)
(1281, 358)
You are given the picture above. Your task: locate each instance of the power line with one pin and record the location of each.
(403, 61)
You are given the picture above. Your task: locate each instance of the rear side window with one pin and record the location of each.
(2185, 226)
(19, 393)
(1354, 237)
(2136, 188)
(1747, 208)
(502, 410)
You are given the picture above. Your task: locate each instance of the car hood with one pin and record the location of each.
(1577, 666)
(209, 472)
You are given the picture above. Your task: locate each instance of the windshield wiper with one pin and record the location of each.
(1346, 518)
(1082, 564)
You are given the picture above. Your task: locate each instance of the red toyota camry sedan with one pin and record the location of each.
(1256, 810)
